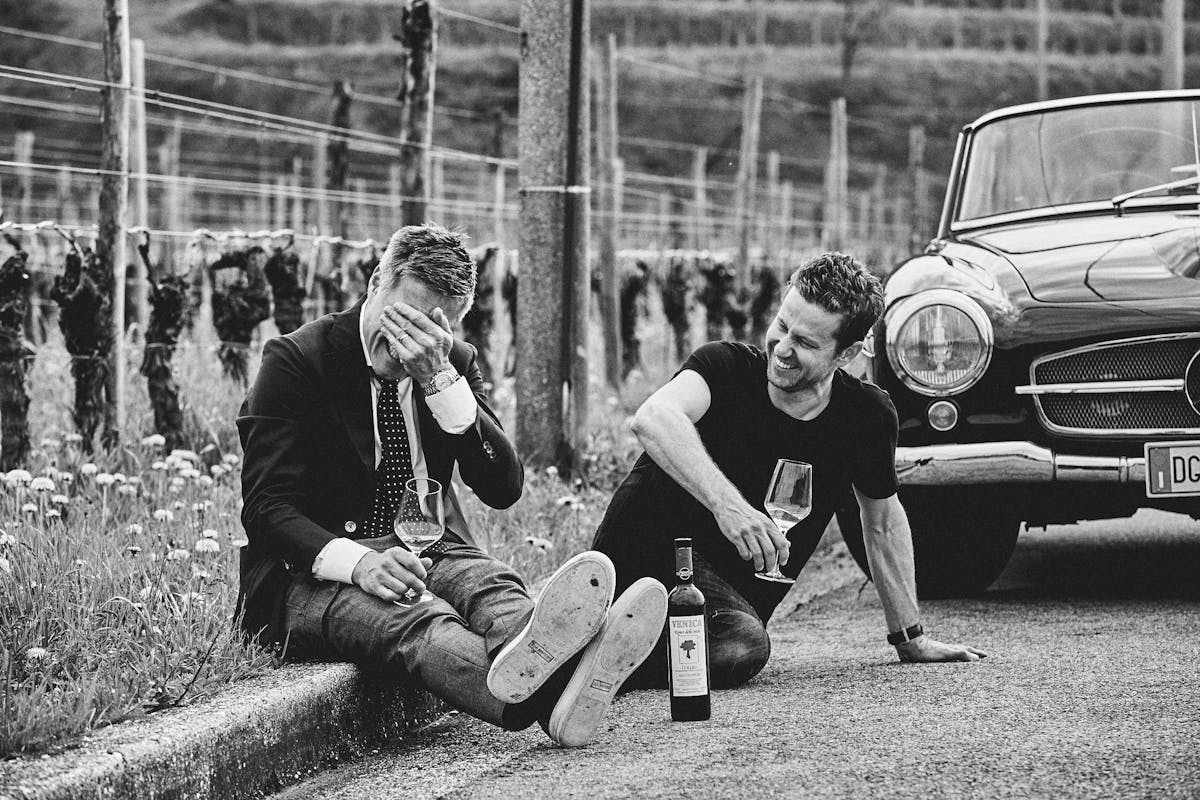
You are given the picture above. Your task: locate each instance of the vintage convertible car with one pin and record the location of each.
(1043, 353)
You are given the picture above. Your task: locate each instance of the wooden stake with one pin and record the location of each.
(787, 245)
(418, 37)
(111, 246)
(1043, 35)
(139, 165)
(770, 237)
(1173, 28)
(606, 154)
(701, 233)
(23, 154)
(837, 173)
(919, 187)
(297, 223)
(747, 182)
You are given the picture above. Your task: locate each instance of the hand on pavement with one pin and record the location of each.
(923, 649)
(755, 536)
(390, 574)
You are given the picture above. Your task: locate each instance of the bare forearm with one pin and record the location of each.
(890, 554)
(671, 439)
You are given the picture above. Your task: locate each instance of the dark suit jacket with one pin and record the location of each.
(308, 472)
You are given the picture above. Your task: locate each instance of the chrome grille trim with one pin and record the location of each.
(1121, 387)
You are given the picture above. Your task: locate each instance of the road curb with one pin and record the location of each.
(253, 738)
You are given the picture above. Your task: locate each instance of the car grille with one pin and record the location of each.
(1152, 358)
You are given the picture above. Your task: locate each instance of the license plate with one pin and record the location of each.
(1173, 469)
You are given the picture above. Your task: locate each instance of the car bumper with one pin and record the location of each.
(1010, 462)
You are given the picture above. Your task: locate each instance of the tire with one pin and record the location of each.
(962, 540)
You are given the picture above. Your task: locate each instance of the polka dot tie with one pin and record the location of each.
(395, 467)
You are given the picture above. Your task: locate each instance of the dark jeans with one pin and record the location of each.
(738, 644)
(446, 644)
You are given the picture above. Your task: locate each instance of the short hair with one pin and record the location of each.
(841, 285)
(433, 255)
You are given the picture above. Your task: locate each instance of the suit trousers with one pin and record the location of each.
(446, 644)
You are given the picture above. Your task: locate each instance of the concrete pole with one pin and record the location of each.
(553, 289)
(139, 164)
(111, 245)
(606, 150)
(1172, 37)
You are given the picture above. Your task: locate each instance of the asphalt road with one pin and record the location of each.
(1090, 691)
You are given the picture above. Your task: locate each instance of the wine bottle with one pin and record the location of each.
(687, 642)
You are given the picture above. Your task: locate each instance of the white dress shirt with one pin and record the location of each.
(455, 410)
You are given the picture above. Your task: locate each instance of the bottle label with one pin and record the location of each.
(689, 656)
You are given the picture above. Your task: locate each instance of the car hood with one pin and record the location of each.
(1136, 257)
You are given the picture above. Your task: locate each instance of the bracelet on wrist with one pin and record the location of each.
(906, 635)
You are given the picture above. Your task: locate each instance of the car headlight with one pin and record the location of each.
(939, 342)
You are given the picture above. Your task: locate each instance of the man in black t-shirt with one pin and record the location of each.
(713, 435)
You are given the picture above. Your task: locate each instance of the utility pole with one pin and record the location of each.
(418, 36)
(1172, 39)
(553, 289)
(111, 246)
(606, 149)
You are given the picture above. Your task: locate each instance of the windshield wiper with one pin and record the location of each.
(1120, 200)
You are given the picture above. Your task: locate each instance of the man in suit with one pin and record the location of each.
(342, 413)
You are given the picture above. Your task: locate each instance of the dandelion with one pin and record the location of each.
(53, 513)
(133, 549)
(567, 500)
(190, 455)
(88, 469)
(17, 477)
(208, 546)
(538, 542)
(177, 483)
(177, 505)
(127, 491)
(66, 478)
(178, 555)
(164, 515)
(133, 480)
(30, 508)
(59, 499)
(7, 539)
(209, 533)
(50, 472)
(42, 484)
(231, 459)
(198, 508)
(201, 574)
(50, 444)
(154, 440)
(159, 465)
(105, 479)
(189, 473)
(134, 529)
(239, 541)
(217, 470)
(37, 654)
(4, 566)
(552, 471)
(204, 480)
(119, 477)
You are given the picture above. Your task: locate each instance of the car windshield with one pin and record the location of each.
(1077, 155)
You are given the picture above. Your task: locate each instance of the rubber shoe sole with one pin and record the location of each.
(568, 613)
(631, 632)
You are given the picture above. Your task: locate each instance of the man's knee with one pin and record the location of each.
(738, 648)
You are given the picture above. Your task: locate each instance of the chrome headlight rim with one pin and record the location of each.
(904, 310)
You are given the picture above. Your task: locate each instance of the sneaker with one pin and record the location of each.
(569, 612)
(630, 634)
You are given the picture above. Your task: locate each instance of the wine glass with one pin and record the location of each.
(420, 521)
(789, 499)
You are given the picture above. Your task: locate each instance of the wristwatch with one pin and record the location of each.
(906, 635)
(442, 379)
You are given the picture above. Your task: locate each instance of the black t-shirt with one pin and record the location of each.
(851, 443)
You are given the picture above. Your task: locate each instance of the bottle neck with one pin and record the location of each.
(683, 564)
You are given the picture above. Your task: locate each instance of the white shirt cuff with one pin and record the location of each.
(454, 407)
(337, 560)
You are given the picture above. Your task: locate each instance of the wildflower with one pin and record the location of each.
(231, 459)
(119, 477)
(37, 654)
(105, 479)
(50, 472)
(177, 505)
(133, 549)
(189, 473)
(7, 539)
(159, 465)
(66, 478)
(202, 574)
(53, 513)
(88, 469)
(552, 471)
(59, 499)
(18, 477)
(541, 544)
(178, 555)
(50, 444)
(42, 484)
(204, 480)
(73, 438)
(164, 515)
(4, 567)
(177, 483)
(134, 529)
(239, 541)
(190, 455)
(154, 440)
(198, 508)
(209, 533)
(29, 508)
(217, 470)
(127, 491)
(208, 546)
(567, 500)
(133, 480)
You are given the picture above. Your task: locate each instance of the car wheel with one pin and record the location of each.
(962, 540)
